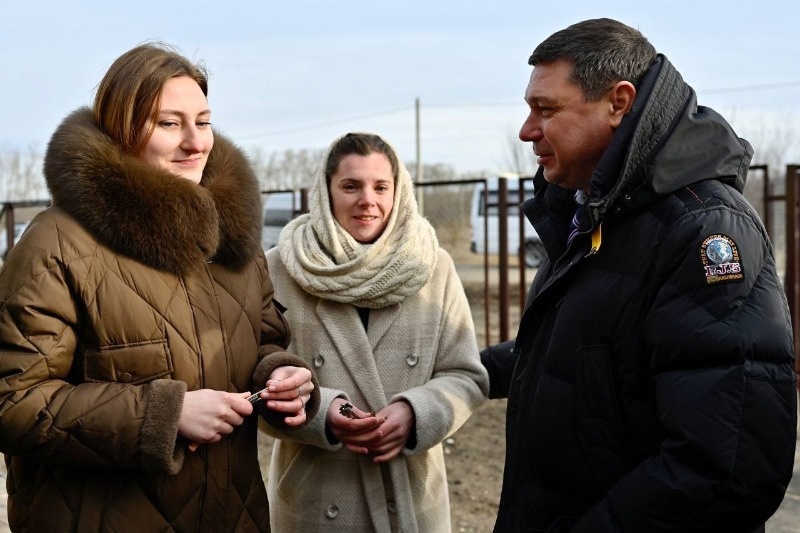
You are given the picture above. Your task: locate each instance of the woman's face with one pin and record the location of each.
(182, 136)
(362, 194)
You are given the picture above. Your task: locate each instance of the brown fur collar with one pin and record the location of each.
(148, 214)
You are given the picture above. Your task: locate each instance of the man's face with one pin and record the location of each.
(569, 134)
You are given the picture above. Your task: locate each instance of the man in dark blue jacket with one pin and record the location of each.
(650, 387)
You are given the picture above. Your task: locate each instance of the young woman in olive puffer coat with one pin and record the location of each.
(136, 317)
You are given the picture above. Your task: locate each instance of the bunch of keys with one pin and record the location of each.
(346, 409)
(255, 397)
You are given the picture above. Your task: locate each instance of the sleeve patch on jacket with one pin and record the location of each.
(720, 258)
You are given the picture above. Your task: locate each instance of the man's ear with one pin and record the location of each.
(620, 101)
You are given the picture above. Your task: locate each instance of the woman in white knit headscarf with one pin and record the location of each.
(378, 309)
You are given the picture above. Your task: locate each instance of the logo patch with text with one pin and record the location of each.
(720, 258)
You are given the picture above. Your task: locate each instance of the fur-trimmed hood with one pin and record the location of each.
(149, 214)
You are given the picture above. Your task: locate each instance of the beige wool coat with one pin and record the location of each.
(136, 286)
(422, 350)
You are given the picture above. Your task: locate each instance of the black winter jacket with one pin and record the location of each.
(652, 385)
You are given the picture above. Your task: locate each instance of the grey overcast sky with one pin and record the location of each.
(295, 74)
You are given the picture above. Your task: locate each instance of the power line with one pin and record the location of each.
(723, 90)
(518, 103)
(325, 124)
(743, 88)
(747, 88)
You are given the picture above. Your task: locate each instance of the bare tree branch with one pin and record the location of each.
(519, 156)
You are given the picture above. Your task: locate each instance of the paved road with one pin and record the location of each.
(785, 520)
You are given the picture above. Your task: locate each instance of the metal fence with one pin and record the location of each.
(496, 283)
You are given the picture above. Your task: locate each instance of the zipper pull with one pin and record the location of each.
(597, 238)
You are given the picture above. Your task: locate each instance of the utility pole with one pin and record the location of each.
(420, 177)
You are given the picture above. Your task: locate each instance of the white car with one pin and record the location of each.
(484, 220)
(279, 208)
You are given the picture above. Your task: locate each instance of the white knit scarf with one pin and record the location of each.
(326, 261)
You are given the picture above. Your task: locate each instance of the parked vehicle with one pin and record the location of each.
(279, 208)
(484, 220)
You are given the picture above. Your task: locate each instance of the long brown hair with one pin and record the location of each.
(130, 92)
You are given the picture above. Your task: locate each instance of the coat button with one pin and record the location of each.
(391, 506)
(332, 511)
(318, 360)
(412, 359)
(125, 377)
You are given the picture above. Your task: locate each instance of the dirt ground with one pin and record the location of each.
(475, 454)
(474, 458)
